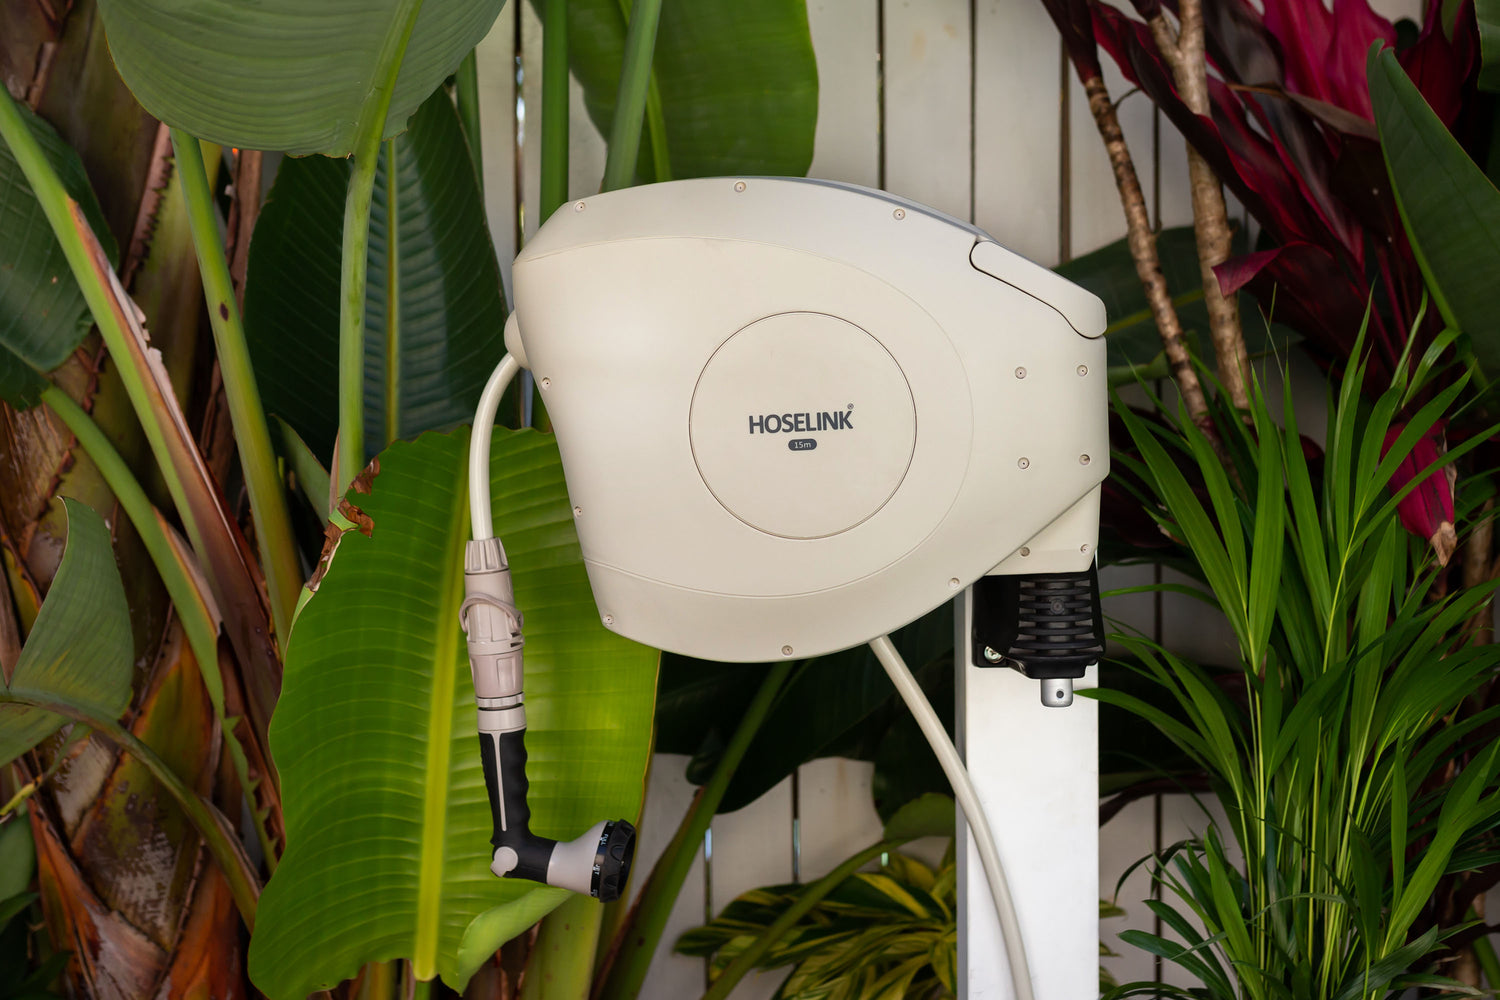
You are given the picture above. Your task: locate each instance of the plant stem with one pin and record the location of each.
(197, 621)
(466, 82)
(562, 961)
(630, 98)
(656, 122)
(1184, 52)
(555, 109)
(367, 141)
(211, 825)
(1141, 239)
(636, 940)
(806, 900)
(268, 508)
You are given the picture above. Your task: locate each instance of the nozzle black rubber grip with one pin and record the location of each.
(504, 758)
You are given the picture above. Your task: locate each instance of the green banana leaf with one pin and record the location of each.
(1487, 12)
(42, 313)
(430, 339)
(737, 83)
(1450, 209)
(387, 822)
(287, 74)
(79, 649)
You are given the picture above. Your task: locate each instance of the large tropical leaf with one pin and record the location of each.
(287, 74)
(1450, 208)
(738, 83)
(42, 313)
(79, 650)
(387, 822)
(430, 337)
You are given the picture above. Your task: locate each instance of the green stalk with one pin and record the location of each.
(562, 961)
(656, 130)
(252, 435)
(392, 296)
(197, 621)
(555, 109)
(630, 99)
(810, 897)
(197, 624)
(656, 121)
(466, 82)
(1484, 952)
(92, 280)
(624, 978)
(211, 825)
(367, 140)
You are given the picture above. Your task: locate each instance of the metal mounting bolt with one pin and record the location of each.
(992, 656)
(1024, 463)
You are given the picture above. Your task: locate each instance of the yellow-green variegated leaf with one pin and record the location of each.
(387, 823)
(291, 75)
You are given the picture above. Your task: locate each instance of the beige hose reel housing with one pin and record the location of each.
(794, 415)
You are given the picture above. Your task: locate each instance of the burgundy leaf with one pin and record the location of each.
(1426, 511)
(1075, 24)
(1305, 287)
(1324, 50)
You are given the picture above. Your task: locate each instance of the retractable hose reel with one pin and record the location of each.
(794, 416)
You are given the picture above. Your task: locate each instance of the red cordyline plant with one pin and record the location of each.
(1290, 134)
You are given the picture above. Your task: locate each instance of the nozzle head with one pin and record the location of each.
(612, 860)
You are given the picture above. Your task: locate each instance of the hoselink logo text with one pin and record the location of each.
(793, 423)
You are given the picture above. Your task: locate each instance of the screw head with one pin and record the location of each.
(1084, 547)
(609, 619)
(786, 650)
(1083, 369)
(1084, 460)
(1025, 551)
(577, 511)
(992, 656)
(546, 383)
(1024, 463)
(580, 206)
(953, 583)
(739, 185)
(899, 214)
(1020, 373)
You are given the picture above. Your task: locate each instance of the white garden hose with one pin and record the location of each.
(968, 800)
(479, 446)
(885, 652)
